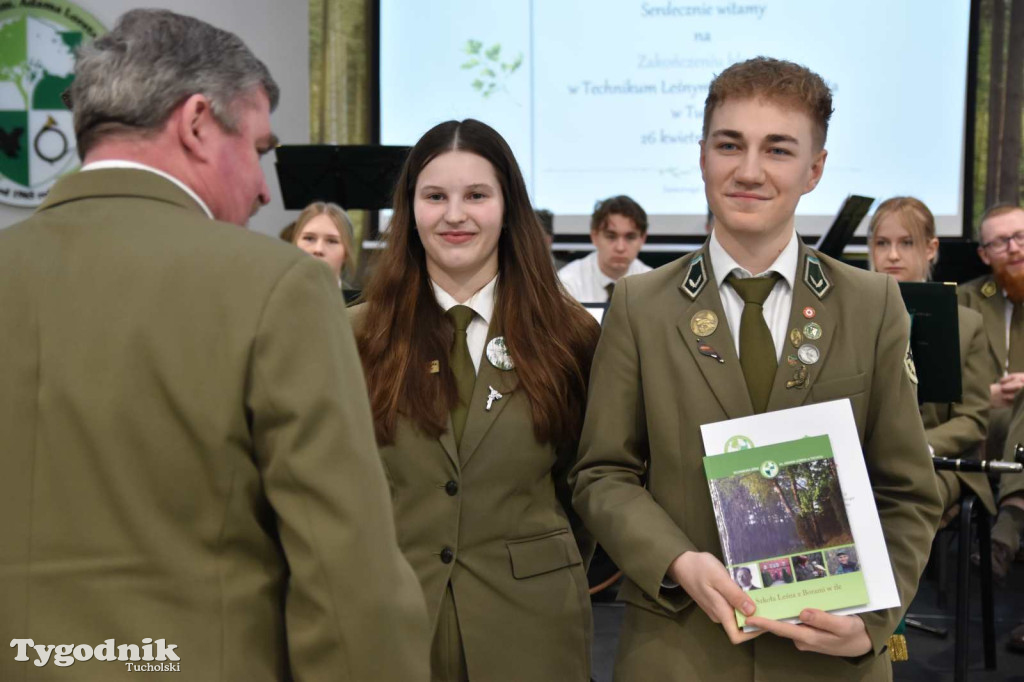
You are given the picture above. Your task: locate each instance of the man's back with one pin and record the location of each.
(182, 407)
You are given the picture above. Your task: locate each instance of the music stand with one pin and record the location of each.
(834, 241)
(352, 176)
(936, 349)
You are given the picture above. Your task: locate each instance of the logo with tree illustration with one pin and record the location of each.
(490, 70)
(37, 140)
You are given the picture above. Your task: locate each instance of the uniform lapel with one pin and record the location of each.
(447, 440)
(480, 418)
(725, 379)
(810, 291)
(993, 310)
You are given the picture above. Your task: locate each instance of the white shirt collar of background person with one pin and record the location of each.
(586, 283)
(778, 304)
(120, 163)
(482, 303)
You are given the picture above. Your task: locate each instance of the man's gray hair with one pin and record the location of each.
(131, 79)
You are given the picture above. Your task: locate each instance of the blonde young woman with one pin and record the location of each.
(324, 231)
(903, 244)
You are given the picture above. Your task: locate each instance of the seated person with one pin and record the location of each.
(618, 228)
(324, 231)
(904, 245)
(999, 297)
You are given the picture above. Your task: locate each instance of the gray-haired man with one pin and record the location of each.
(189, 461)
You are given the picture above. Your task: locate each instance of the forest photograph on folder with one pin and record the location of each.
(785, 534)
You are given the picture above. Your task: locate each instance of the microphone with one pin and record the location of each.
(990, 467)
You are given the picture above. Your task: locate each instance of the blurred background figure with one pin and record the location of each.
(324, 231)
(903, 244)
(618, 230)
(547, 221)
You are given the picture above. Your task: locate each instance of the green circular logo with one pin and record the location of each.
(738, 443)
(769, 469)
(37, 63)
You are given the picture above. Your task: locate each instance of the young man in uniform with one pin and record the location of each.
(752, 322)
(999, 297)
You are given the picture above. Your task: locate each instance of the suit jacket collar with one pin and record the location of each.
(120, 183)
(993, 312)
(723, 373)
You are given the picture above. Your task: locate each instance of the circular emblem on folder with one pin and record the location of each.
(808, 354)
(812, 330)
(498, 355)
(704, 323)
(769, 469)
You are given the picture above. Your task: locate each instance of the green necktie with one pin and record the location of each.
(610, 288)
(1015, 354)
(757, 349)
(462, 368)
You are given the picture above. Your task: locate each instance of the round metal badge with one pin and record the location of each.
(704, 323)
(795, 337)
(812, 330)
(498, 355)
(809, 312)
(808, 354)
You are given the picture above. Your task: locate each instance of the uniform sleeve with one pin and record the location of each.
(354, 609)
(899, 465)
(608, 481)
(965, 431)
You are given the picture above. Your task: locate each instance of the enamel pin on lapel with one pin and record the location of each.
(435, 366)
(498, 355)
(799, 379)
(706, 350)
(491, 397)
(815, 279)
(812, 331)
(796, 338)
(988, 289)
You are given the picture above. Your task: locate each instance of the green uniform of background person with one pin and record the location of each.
(957, 430)
(500, 504)
(985, 296)
(640, 485)
(184, 454)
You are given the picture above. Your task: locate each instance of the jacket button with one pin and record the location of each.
(447, 555)
(451, 487)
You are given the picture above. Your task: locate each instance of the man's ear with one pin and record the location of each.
(817, 168)
(983, 256)
(193, 122)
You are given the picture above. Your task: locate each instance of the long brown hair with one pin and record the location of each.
(551, 337)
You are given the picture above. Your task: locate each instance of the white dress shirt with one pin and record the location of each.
(118, 163)
(586, 283)
(779, 302)
(482, 303)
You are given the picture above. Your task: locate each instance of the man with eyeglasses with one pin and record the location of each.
(999, 297)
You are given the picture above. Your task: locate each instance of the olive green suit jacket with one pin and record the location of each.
(501, 506)
(985, 296)
(640, 485)
(957, 430)
(188, 451)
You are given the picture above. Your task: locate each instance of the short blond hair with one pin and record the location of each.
(778, 81)
(914, 215)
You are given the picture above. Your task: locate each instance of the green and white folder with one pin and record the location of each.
(786, 537)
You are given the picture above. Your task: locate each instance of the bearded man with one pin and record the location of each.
(999, 297)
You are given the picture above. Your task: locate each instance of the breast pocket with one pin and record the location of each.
(836, 389)
(542, 554)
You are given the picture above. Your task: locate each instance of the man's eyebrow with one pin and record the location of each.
(725, 132)
(779, 137)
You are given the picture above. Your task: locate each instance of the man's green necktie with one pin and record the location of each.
(462, 368)
(757, 349)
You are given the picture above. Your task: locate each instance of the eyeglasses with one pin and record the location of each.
(1000, 244)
